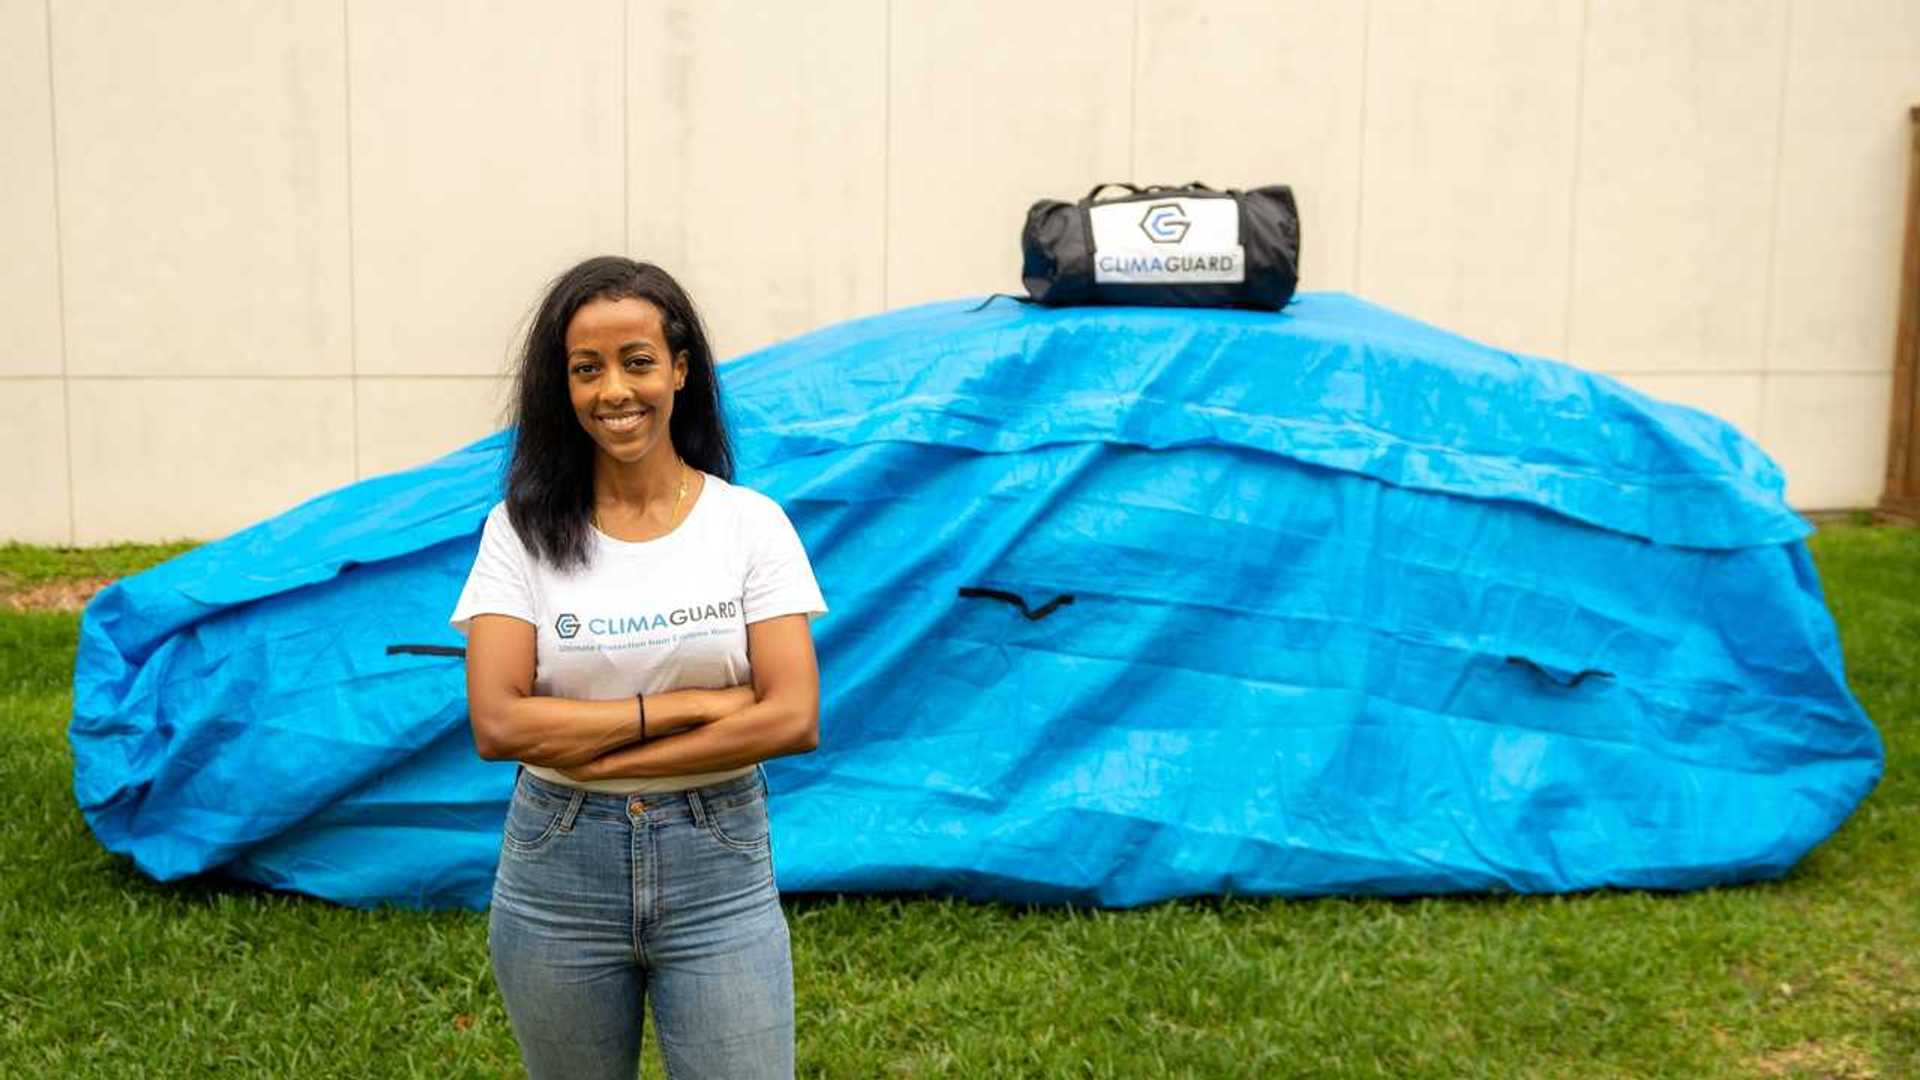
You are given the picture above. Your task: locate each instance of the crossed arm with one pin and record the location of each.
(688, 730)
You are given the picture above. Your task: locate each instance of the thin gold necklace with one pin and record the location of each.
(673, 519)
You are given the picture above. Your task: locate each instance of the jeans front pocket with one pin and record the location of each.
(534, 817)
(740, 824)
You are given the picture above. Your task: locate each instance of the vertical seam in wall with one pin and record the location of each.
(60, 280)
(626, 128)
(1573, 182)
(1360, 157)
(1133, 103)
(353, 314)
(683, 81)
(1773, 219)
(886, 158)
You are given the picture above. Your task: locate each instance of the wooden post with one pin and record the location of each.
(1901, 499)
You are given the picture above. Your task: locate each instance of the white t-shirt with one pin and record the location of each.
(650, 616)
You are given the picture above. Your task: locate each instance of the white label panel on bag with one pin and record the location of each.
(1174, 241)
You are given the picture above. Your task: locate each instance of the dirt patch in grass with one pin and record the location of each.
(70, 594)
(1813, 1058)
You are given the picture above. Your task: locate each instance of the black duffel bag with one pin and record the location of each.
(1186, 246)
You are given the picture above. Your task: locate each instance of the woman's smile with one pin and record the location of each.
(624, 423)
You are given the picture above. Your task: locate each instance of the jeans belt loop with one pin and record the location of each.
(573, 809)
(698, 806)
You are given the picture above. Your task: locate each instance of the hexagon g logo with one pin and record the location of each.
(1165, 223)
(567, 625)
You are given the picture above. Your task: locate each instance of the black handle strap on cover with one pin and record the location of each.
(425, 650)
(991, 297)
(1035, 615)
(1568, 683)
(1098, 188)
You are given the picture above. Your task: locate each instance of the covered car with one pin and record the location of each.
(1127, 604)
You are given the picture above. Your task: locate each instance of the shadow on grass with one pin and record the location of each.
(1233, 905)
(216, 888)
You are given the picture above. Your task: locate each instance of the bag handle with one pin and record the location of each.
(1136, 189)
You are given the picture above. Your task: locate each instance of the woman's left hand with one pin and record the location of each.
(584, 771)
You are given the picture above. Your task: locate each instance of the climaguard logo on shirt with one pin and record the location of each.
(611, 633)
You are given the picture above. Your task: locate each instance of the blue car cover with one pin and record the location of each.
(1128, 604)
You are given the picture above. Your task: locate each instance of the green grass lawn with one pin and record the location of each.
(103, 972)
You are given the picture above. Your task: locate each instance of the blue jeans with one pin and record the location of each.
(604, 900)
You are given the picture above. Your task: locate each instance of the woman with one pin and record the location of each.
(638, 640)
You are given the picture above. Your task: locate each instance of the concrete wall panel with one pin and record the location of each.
(1247, 93)
(155, 459)
(30, 269)
(1829, 433)
(1674, 201)
(1852, 74)
(33, 471)
(757, 160)
(993, 105)
(404, 422)
(1468, 166)
(203, 195)
(487, 158)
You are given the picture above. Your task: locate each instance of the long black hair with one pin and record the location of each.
(550, 480)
